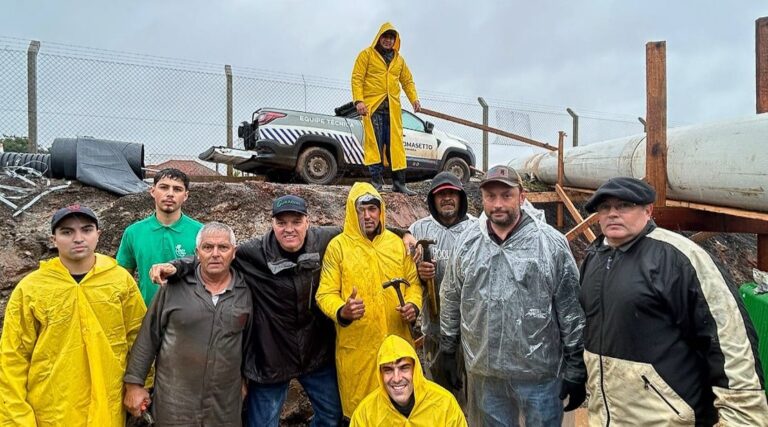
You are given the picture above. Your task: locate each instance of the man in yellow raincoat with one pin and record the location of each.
(355, 266)
(376, 78)
(404, 397)
(68, 328)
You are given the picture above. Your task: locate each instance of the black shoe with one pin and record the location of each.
(398, 184)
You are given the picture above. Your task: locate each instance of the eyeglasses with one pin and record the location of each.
(621, 207)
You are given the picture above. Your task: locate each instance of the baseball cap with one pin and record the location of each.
(447, 186)
(368, 199)
(72, 210)
(503, 174)
(289, 203)
(623, 188)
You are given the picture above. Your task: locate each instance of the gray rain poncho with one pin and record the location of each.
(515, 306)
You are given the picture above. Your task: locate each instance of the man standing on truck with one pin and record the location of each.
(376, 78)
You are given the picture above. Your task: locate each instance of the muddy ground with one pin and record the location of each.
(246, 207)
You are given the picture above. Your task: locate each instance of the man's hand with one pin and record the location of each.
(159, 273)
(136, 399)
(354, 308)
(410, 242)
(244, 389)
(362, 109)
(408, 312)
(426, 270)
(416, 106)
(448, 367)
(575, 392)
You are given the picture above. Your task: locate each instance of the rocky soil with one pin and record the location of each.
(246, 207)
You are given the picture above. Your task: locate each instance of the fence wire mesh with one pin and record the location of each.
(177, 108)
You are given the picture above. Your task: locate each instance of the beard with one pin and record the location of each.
(509, 219)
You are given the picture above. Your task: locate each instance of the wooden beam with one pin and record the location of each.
(656, 116)
(552, 197)
(761, 63)
(702, 236)
(762, 252)
(560, 175)
(574, 212)
(585, 224)
(740, 213)
(686, 219)
(487, 128)
(220, 178)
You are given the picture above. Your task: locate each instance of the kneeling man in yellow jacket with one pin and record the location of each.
(404, 396)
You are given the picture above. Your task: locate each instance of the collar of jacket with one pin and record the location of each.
(309, 260)
(600, 245)
(54, 265)
(483, 221)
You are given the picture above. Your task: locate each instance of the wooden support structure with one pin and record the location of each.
(761, 91)
(656, 117)
(487, 128)
(580, 227)
(560, 175)
(575, 213)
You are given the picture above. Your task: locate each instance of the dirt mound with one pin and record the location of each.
(246, 207)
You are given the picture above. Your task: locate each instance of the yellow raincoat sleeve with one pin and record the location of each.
(18, 341)
(358, 75)
(329, 292)
(406, 80)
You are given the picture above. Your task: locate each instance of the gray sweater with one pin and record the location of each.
(197, 349)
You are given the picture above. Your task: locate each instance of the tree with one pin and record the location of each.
(18, 144)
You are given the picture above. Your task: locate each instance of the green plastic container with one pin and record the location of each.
(757, 307)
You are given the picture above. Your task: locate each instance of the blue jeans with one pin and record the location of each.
(265, 401)
(381, 131)
(499, 402)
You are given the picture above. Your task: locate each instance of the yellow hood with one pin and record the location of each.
(384, 28)
(351, 224)
(394, 348)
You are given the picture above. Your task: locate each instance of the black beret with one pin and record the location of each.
(623, 188)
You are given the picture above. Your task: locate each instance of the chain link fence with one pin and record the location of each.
(177, 108)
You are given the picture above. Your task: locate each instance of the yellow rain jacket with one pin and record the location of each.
(372, 82)
(352, 260)
(434, 405)
(64, 346)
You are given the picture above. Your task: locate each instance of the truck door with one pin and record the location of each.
(420, 146)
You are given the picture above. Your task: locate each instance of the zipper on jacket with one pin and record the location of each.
(309, 299)
(602, 391)
(649, 384)
(602, 351)
(610, 260)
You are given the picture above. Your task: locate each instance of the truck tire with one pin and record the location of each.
(317, 166)
(458, 167)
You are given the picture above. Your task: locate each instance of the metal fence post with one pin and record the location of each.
(485, 132)
(34, 48)
(575, 136)
(228, 73)
(642, 122)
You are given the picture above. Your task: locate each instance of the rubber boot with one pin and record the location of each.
(398, 183)
(377, 180)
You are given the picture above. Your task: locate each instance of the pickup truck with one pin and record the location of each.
(319, 148)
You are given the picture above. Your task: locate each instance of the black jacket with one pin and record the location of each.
(290, 335)
(667, 340)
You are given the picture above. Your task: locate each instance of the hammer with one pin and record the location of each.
(395, 283)
(431, 291)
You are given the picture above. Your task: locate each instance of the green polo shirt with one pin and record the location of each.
(148, 242)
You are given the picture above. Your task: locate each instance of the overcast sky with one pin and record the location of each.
(586, 55)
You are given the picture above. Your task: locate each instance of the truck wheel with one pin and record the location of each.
(458, 167)
(317, 165)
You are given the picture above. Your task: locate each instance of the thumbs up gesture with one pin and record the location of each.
(354, 308)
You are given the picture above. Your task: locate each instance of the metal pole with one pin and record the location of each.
(485, 132)
(228, 73)
(34, 48)
(575, 117)
(642, 122)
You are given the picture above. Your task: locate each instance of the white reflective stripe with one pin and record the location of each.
(739, 361)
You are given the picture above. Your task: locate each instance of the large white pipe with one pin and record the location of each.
(723, 164)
